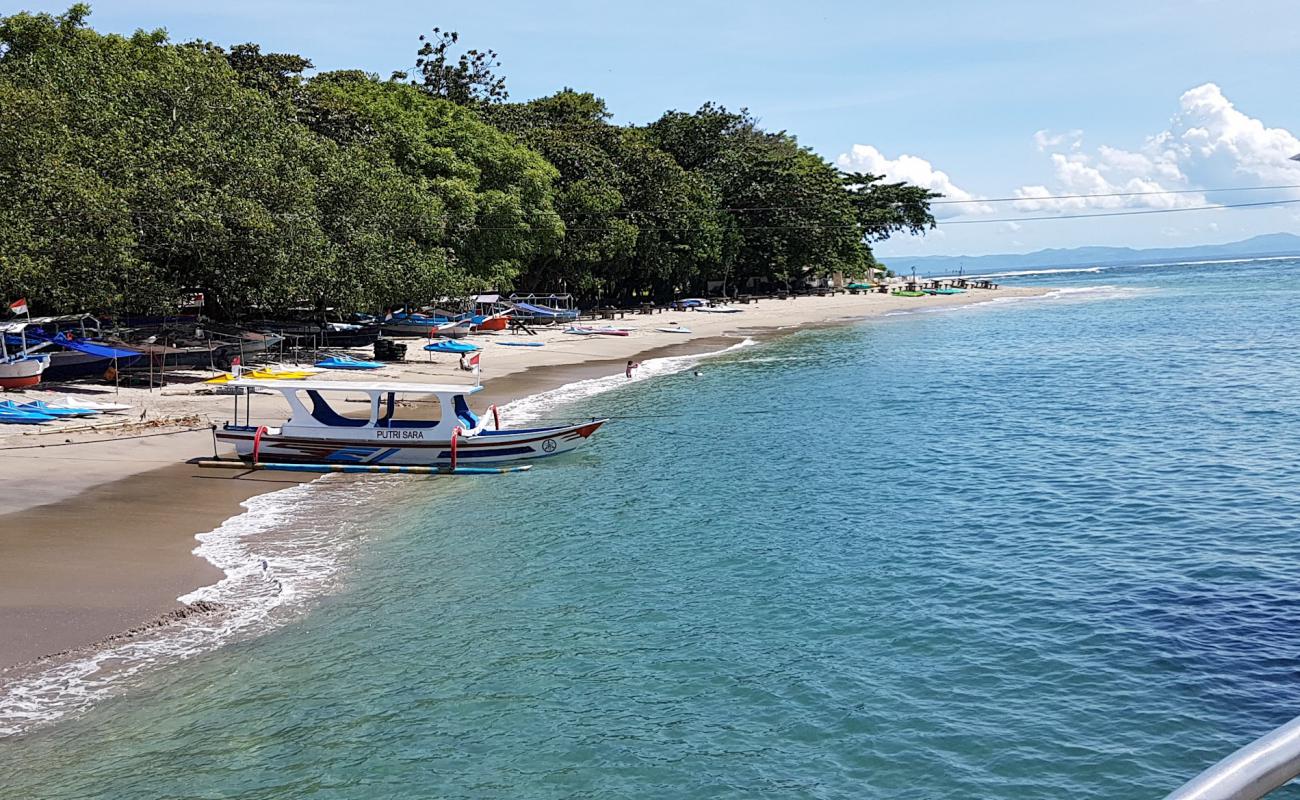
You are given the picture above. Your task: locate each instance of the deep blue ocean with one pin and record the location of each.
(1031, 549)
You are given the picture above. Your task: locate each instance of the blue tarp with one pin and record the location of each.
(87, 346)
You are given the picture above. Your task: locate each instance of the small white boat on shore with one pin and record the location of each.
(676, 329)
(719, 309)
(316, 433)
(65, 401)
(21, 368)
(22, 371)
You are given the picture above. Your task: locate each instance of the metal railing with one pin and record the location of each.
(1251, 772)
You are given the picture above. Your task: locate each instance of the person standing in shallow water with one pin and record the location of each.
(631, 367)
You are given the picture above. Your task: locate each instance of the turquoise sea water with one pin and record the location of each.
(1037, 549)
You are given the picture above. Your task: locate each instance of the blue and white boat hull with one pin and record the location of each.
(402, 447)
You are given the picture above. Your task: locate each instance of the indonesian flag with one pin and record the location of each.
(473, 361)
(19, 306)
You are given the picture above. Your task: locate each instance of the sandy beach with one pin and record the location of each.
(97, 526)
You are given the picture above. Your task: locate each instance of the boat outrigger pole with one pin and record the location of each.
(387, 469)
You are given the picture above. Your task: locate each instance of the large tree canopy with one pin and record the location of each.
(637, 222)
(136, 168)
(786, 211)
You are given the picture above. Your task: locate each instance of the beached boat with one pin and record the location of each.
(22, 371)
(41, 407)
(906, 293)
(347, 362)
(677, 329)
(268, 374)
(321, 334)
(316, 433)
(448, 346)
(454, 329)
(719, 309)
(19, 369)
(406, 323)
(413, 324)
(67, 346)
(522, 344)
(93, 405)
(534, 313)
(13, 416)
(493, 322)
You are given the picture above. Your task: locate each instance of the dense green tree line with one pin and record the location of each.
(133, 169)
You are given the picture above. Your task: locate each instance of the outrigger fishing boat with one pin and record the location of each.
(316, 433)
(21, 371)
(22, 368)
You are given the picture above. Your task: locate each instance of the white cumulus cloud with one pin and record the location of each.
(1209, 144)
(1045, 139)
(914, 170)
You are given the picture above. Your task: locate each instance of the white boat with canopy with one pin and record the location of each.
(317, 433)
(19, 368)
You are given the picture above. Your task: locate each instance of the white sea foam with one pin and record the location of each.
(1109, 267)
(1106, 292)
(1025, 272)
(538, 405)
(1213, 261)
(303, 538)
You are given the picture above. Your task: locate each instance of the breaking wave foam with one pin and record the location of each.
(1111, 267)
(1025, 272)
(304, 540)
(536, 406)
(1107, 292)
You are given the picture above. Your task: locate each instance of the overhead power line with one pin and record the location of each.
(951, 202)
(1112, 194)
(1122, 213)
(817, 226)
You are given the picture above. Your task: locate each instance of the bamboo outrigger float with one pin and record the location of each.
(317, 434)
(383, 469)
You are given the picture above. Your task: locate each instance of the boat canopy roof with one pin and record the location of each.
(357, 386)
(13, 327)
(63, 318)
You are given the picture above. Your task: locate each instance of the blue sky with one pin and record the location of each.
(990, 100)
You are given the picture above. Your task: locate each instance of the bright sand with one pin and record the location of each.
(97, 536)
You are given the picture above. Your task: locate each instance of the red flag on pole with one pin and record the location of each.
(19, 307)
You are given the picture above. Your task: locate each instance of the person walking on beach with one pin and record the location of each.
(631, 367)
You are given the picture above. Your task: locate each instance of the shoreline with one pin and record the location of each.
(105, 541)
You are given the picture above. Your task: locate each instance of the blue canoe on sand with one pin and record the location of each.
(19, 417)
(42, 407)
(521, 344)
(451, 347)
(343, 362)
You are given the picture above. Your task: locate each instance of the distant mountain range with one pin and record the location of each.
(1272, 244)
